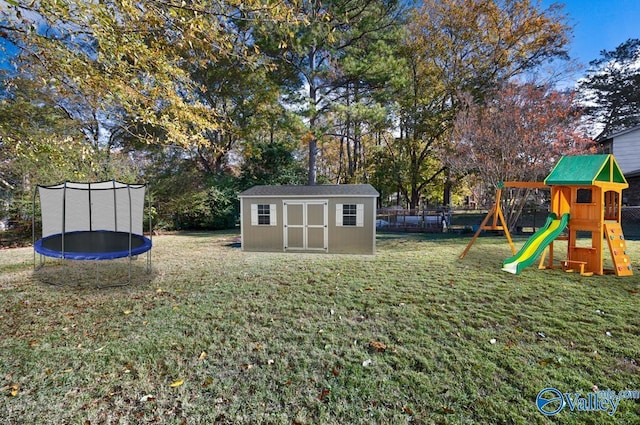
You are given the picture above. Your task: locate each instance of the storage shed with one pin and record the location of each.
(337, 219)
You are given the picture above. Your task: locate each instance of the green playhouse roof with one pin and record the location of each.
(585, 170)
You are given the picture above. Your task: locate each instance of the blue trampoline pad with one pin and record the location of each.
(92, 245)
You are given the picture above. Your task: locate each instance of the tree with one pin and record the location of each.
(41, 144)
(137, 57)
(516, 135)
(270, 163)
(609, 92)
(456, 47)
(172, 84)
(313, 52)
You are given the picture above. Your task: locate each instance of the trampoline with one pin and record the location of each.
(98, 245)
(92, 221)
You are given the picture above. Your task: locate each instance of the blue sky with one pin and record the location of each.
(600, 25)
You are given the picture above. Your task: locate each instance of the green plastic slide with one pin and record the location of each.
(536, 244)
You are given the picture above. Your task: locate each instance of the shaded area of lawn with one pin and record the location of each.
(411, 335)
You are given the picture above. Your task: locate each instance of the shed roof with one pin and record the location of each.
(586, 170)
(320, 190)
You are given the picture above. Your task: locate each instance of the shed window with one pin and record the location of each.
(351, 215)
(263, 214)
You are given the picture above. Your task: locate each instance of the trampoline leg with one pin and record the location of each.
(41, 262)
(148, 261)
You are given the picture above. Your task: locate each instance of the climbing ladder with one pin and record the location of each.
(618, 248)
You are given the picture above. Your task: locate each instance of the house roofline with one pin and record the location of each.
(604, 139)
(632, 174)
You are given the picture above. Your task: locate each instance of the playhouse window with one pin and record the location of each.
(350, 215)
(583, 196)
(263, 215)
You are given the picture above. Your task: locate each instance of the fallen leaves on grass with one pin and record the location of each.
(447, 410)
(324, 393)
(509, 345)
(176, 384)
(202, 356)
(550, 361)
(377, 346)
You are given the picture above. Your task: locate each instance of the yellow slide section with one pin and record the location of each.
(536, 244)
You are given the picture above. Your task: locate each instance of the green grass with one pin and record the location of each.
(401, 337)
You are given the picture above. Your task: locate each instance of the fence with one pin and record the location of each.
(401, 220)
(465, 220)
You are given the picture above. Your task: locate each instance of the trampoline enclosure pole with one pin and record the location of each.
(148, 193)
(64, 214)
(130, 228)
(115, 207)
(33, 226)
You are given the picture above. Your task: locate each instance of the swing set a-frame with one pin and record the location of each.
(494, 220)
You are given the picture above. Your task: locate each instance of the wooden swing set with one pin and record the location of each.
(494, 220)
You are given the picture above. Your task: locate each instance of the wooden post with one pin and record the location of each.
(499, 222)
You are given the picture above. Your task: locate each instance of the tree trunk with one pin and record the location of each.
(313, 151)
(313, 100)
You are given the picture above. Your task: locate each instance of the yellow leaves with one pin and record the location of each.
(13, 389)
(202, 356)
(176, 384)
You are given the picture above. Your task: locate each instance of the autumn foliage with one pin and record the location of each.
(517, 135)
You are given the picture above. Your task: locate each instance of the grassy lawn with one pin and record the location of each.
(215, 335)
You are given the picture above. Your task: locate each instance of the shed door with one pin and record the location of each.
(305, 225)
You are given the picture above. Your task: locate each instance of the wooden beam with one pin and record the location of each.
(527, 185)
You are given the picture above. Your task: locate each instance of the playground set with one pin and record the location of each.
(586, 199)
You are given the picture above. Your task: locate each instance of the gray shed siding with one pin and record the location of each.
(261, 237)
(626, 149)
(351, 239)
(321, 203)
